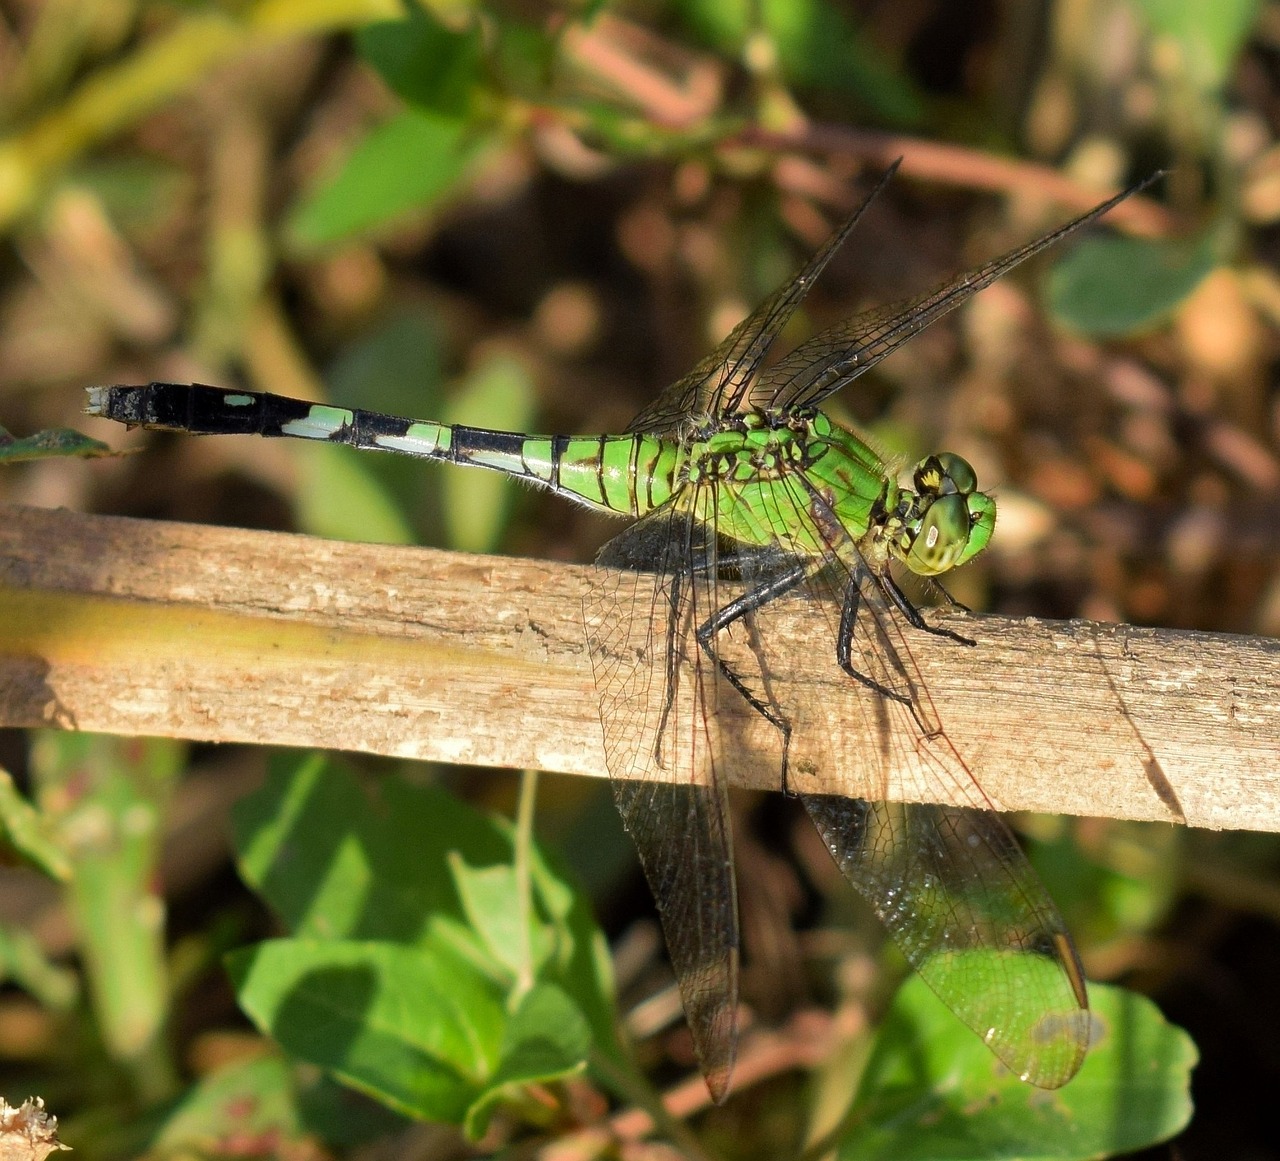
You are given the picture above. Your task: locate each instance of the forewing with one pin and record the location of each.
(662, 747)
(720, 382)
(830, 360)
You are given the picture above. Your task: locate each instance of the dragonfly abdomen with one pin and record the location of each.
(623, 474)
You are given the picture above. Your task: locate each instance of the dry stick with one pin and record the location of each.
(143, 628)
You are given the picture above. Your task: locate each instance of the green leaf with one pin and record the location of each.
(1116, 286)
(58, 441)
(1211, 33)
(1120, 883)
(419, 1028)
(489, 898)
(477, 505)
(336, 861)
(425, 63)
(409, 163)
(393, 367)
(932, 1091)
(413, 865)
(545, 1040)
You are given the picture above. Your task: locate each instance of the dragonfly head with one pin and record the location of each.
(951, 521)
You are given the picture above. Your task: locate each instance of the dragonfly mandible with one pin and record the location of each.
(746, 497)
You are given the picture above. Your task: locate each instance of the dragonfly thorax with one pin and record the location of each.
(753, 447)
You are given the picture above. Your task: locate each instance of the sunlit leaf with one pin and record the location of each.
(419, 1028)
(933, 1092)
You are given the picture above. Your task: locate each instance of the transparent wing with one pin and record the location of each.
(950, 883)
(831, 360)
(657, 707)
(719, 383)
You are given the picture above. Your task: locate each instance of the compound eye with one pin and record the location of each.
(957, 472)
(942, 537)
(945, 474)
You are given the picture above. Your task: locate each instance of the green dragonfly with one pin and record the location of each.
(747, 500)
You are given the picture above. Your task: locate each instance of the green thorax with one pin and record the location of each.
(777, 479)
(793, 480)
(811, 487)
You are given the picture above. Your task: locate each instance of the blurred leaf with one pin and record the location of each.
(406, 164)
(222, 1113)
(425, 63)
(477, 504)
(1115, 286)
(817, 46)
(60, 441)
(24, 963)
(340, 496)
(31, 832)
(1112, 880)
(108, 797)
(524, 57)
(341, 1116)
(932, 1091)
(396, 368)
(1211, 33)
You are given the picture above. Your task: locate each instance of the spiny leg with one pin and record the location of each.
(735, 610)
(844, 642)
(912, 614)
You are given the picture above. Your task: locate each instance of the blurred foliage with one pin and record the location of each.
(533, 216)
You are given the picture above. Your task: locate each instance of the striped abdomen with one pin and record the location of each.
(626, 474)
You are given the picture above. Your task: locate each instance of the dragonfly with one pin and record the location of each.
(748, 500)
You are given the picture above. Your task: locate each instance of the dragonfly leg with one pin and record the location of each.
(844, 644)
(937, 584)
(735, 610)
(912, 614)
